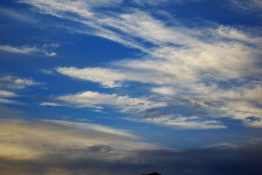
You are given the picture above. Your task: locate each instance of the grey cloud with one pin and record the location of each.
(100, 148)
(7, 112)
(15, 82)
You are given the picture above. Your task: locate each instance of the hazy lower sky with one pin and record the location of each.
(130, 86)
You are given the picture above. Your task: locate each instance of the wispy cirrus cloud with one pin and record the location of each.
(5, 97)
(97, 100)
(198, 65)
(162, 2)
(237, 35)
(47, 71)
(4, 93)
(15, 82)
(10, 85)
(19, 50)
(19, 16)
(47, 50)
(106, 77)
(166, 91)
(50, 104)
(248, 5)
(188, 122)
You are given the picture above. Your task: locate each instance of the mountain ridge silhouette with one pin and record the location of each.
(153, 173)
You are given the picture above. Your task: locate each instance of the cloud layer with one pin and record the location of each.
(67, 148)
(21, 140)
(212, 70)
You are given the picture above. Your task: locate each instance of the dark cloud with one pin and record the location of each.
(7, 112)
(241, 160)
(100, 148)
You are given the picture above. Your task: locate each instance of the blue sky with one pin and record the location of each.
(179, 74)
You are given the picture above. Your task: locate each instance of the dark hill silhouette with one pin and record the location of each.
(154, 173)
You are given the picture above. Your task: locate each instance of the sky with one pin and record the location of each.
(137, 85)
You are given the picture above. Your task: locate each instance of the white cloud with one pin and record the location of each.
(140, 24)
(103, 2)
(106, 77)
(248, 5)
(29, 50)
(97, 23)
(248, 94)
(185, 122)
(97, 100)
(113, 77)
(15, 82)
(19, 16)
(50, 104)
(52, 7)
(242, 110)
(4, 93)
(7, 101)
(19, 50)
(161, 2)
(50, 54)
(163, 91)
(47, 71)
(83, 8)
(236, 34)
(96, 128)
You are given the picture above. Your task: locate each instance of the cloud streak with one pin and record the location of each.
(28, 50)
(186, 122)
(18, 50)
(97, 100)
(248, 5)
